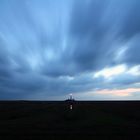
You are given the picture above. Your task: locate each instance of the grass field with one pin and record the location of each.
(28, 119)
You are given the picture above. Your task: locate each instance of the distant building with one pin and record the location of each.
(70, 100)
(71, 97)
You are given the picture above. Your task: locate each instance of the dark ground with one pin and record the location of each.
(40, 119)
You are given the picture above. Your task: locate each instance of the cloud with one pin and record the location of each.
(111, 71)
(50, 49)
(116, 92)
(110, 94)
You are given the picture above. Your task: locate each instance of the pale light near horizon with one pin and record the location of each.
(118, 92)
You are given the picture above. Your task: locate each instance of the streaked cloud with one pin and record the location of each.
(50, 48)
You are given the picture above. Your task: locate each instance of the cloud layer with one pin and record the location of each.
(51, 48)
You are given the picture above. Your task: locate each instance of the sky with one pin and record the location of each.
(52, 48)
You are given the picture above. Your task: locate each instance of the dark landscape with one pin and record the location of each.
(40, 119)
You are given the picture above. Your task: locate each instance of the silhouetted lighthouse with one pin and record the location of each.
(71, 98)
(71, 101)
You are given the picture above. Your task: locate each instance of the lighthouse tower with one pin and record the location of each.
(71, 97)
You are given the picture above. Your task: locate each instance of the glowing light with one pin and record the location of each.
(70, 107)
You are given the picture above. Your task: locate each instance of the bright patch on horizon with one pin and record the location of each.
(109, 94)
(118, 92)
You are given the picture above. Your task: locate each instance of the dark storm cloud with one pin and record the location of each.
(52, 48)
(99, 28)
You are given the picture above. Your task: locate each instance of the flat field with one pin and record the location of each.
(42, 119)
